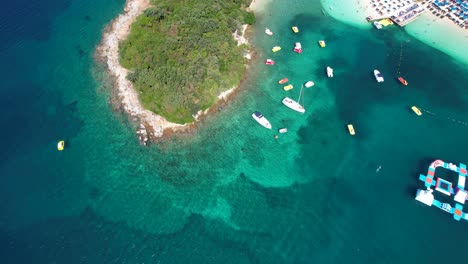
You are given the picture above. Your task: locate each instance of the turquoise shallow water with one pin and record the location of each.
(231, 193)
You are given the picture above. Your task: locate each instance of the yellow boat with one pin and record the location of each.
(61, 145)
(295, 29)
(385, 22)
(276, 48)
(351, 130)
(322, 43)
(416, 110)
(288, 87)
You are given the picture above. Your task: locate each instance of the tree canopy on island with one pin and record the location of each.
(182, 55)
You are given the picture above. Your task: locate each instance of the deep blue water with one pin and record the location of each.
(231, 193)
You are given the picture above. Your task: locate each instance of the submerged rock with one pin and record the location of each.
(142, 134)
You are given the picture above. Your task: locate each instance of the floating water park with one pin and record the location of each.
(445, 187)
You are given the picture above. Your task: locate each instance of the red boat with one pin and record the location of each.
(270, 62)
(298, 47)
(284, 80)
(403, 81)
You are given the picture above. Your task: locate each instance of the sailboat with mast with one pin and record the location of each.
(295, 105)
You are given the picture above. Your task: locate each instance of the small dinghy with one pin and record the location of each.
(288, 87)
(329, 72)
(309, 84)
(61, 145)
(351, 130)
(298, 47)
(276, 48)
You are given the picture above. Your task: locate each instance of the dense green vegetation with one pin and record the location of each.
(182, 54)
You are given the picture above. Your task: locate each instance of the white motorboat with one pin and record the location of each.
(283, 130)
(268, 32)
(377, 25)
(329, 72)
(298, 47)
(378, 76)
(293, 105)
(309, 84)
(261, 119)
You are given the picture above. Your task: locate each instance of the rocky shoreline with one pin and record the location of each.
(150, 126)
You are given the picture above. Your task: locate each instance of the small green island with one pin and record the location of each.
(181, 54)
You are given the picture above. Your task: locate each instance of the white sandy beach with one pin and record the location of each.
(150, 125)
(439, 33)
(258, 6)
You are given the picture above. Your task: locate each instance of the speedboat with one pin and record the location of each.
(288, 87)
(60, 145)
(402, 80)
(270, 62)
(276, 48)
(284, 80)
(268, 32)
(322, 43)
(416, 110)
(351, 130)
(309, 84)
(261, 119)
(329, 72)
(293, 105)
(283, 130)
(298, 47)
(295, 29)
(377, 25)
(378, 76)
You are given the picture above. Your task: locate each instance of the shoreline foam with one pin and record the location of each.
(150, 125)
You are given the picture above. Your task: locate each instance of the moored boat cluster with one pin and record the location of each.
(298, 105)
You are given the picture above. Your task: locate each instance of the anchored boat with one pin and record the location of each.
(378, 76)
(283, 130)
(403, 81)
(309, 84)
(298, 47)
(294, 105)
(268, 32)
(284, 80)
(261, 119)
(377, 25)
(322, 43)
(270, 62)
(61, 145)
(288, 87)
(276, 48)
(329, 72)
(295, 29)
(351, 130)
(416, 110)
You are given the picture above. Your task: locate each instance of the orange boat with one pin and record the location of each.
(403, 81)
(284, 80)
